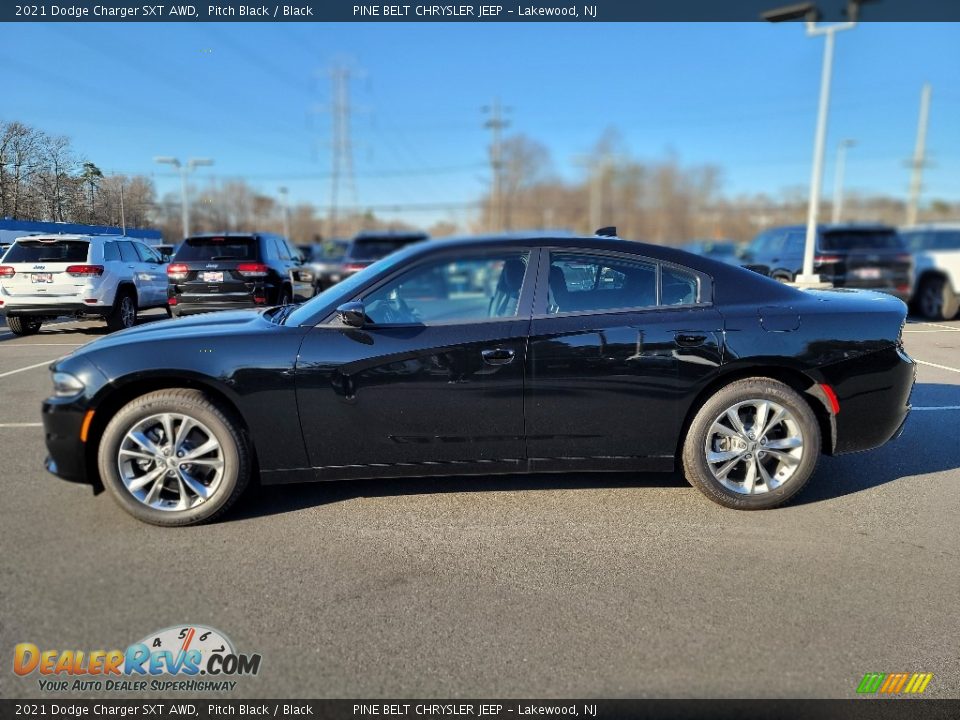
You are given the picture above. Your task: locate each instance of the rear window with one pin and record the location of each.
(861, 240)
(36, 251)
(381, 247)
(218, 248)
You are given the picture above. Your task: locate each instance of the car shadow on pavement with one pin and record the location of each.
(929, 444)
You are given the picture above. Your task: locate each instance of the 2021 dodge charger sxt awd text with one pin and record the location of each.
(484, 356)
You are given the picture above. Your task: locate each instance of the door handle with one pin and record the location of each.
(686, 339)
(498, 356)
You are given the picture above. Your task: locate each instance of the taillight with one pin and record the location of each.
(85, 270)
(172, 301)
(252, 270)
(177, 271)
(6, 271)
(826, 259)
(354, 267)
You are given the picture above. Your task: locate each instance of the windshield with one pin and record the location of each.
(933, 240)
(217, 248)
(861, 240)
(343, 291)
(24, 251)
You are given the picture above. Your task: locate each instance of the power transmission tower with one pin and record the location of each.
(495, 124)
(341, 155)
(919, 156)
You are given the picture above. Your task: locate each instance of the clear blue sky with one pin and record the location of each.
(741, 96)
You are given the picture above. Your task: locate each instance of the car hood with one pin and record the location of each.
(195, 326)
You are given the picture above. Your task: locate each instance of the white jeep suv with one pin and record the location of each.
(110, 276)
(936, 253)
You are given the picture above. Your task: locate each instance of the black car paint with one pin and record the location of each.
(600, 391)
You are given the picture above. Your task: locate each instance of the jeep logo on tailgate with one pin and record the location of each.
(39, 267)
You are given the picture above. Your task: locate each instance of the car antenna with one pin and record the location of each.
(610, 231)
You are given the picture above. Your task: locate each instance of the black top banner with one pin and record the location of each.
(467, 11)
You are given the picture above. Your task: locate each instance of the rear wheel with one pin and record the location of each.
(753, 445)
(24, 325)
(937, 299)
(174, 457)
(124, 313)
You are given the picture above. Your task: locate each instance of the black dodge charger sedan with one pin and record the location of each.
(483, 356)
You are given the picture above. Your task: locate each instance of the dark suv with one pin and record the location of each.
(229, 271)
(853, 256)
(368, 247)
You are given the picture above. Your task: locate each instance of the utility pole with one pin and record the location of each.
(123, 217)
(185, 169)
(838, 178)
(495, 124)
(286, 212)
(341, 155)
(919, 156)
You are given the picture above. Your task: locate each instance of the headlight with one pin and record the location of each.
(66, 385)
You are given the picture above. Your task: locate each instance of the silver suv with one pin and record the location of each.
(110, 276)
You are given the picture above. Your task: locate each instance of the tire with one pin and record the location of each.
(778, 473)
(175, 502)
(124, 313)
(24, 325)
(936, 299)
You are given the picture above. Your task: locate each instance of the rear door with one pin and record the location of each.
(136, 271)
(38, 267)
(619, 345)
(154, 273)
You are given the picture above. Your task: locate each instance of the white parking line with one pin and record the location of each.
(20, 425)
(943, 328)
(918, 362)
(941, 407)
(43, 364)
(9, 347)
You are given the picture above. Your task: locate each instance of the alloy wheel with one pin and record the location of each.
(931, 300)
(128, 312)
(754, 447)
(170, 461)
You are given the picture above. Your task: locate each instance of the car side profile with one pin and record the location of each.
(871, 257)
(47, 276)
(936, 254)
(485, 356)
(229, 271)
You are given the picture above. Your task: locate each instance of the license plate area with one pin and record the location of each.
(212, 276)
(867, 273)
(38, 278)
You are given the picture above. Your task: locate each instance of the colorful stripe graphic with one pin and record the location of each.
(894, 683)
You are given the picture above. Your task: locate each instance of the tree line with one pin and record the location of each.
(42, 177)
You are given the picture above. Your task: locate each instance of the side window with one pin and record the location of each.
(451, 291)
(794, 243)
(146, 254)
(678, 287)
(127, 252)
(293, 252)
(281, 248)
(579, 282)
(110, 252)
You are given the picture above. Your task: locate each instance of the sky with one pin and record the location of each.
(256, 99)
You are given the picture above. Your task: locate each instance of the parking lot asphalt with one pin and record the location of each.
(547, 586)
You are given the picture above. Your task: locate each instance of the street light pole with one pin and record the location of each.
(184, 169)
(838, 178)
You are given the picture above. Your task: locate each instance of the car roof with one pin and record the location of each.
(838, 227)
(75, 237)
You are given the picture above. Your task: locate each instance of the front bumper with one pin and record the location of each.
(67, 457)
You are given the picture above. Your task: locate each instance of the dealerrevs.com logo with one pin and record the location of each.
(187, 658)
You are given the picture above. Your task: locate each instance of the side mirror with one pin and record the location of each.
(352, 314)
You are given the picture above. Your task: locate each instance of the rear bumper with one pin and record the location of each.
(66, 453)
(190, 307)
(53, 309)
(873, 392)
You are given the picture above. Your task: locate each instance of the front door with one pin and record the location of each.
(433, 383)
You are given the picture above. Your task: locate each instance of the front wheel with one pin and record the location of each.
(753, 445)
(24, 325)
(174, 457)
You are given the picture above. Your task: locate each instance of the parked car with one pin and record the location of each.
(229, 271)
(936, 255)
(723, 250)
(851, 256)
(326, 263)
(485, 356)
(107, 276)
(368, 247)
